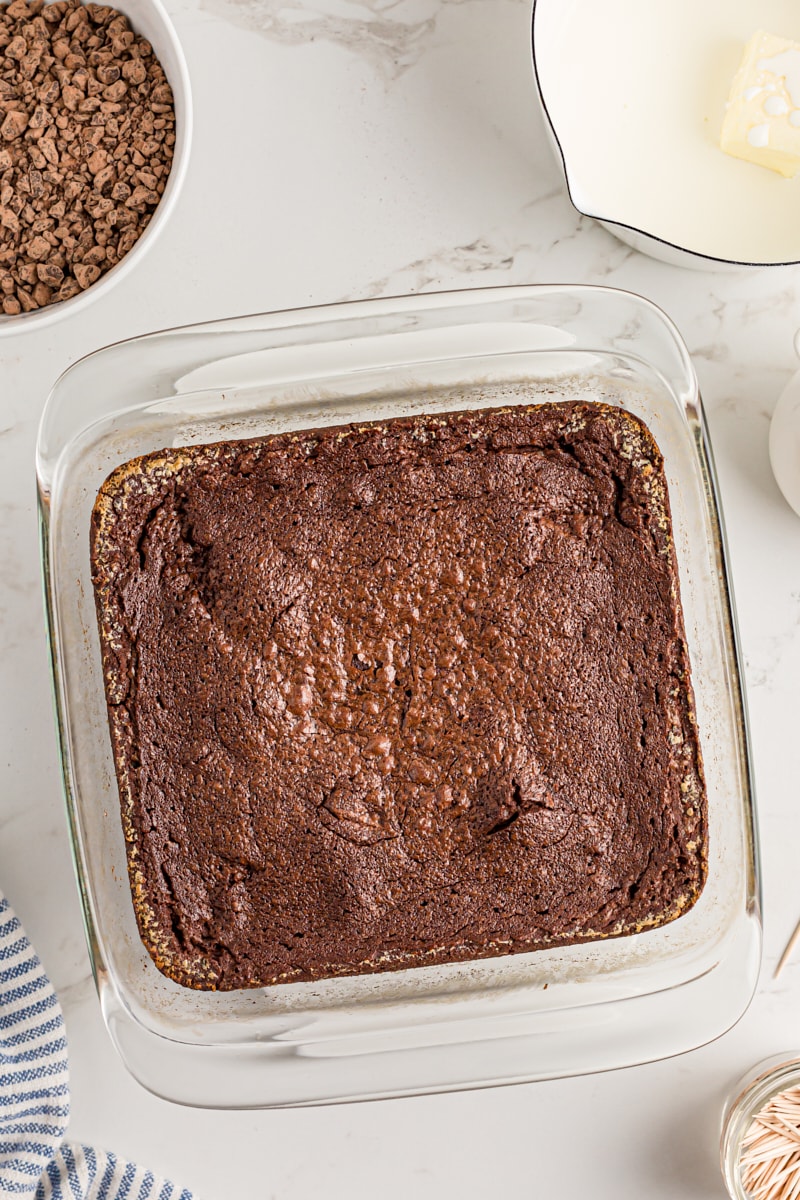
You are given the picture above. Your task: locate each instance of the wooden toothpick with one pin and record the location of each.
(769, 1160)
(787, 954)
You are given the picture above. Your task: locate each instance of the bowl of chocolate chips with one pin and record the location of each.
(95, 125)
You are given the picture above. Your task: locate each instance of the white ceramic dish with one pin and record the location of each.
(149, 19)
(784, 439)
(634, 96)
(553, 1012)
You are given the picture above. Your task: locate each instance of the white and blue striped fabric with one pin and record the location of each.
(35, 1161)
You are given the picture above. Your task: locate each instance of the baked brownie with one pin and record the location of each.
(399, 693)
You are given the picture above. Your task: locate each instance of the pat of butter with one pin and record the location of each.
(762, 122)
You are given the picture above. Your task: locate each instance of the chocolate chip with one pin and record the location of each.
(50, 274)
(13, 126)
(69, 288)
(115, 91)
(26, 300)
(17, 47)
(134, 71)
(38, 249)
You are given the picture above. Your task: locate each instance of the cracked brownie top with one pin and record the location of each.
(400, 693)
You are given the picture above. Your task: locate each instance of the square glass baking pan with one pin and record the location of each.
(549, 1013)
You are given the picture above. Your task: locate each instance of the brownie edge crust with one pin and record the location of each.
(400, 693)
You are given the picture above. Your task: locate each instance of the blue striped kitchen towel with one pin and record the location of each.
(35, 1161)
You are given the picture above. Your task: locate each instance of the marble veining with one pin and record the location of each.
(390, 35)
(426, 274)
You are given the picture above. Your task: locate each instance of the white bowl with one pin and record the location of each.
(633, 96)
(149, 19)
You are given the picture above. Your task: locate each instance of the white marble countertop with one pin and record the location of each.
(354, 148)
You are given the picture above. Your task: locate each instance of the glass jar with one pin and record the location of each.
(749, 1096)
